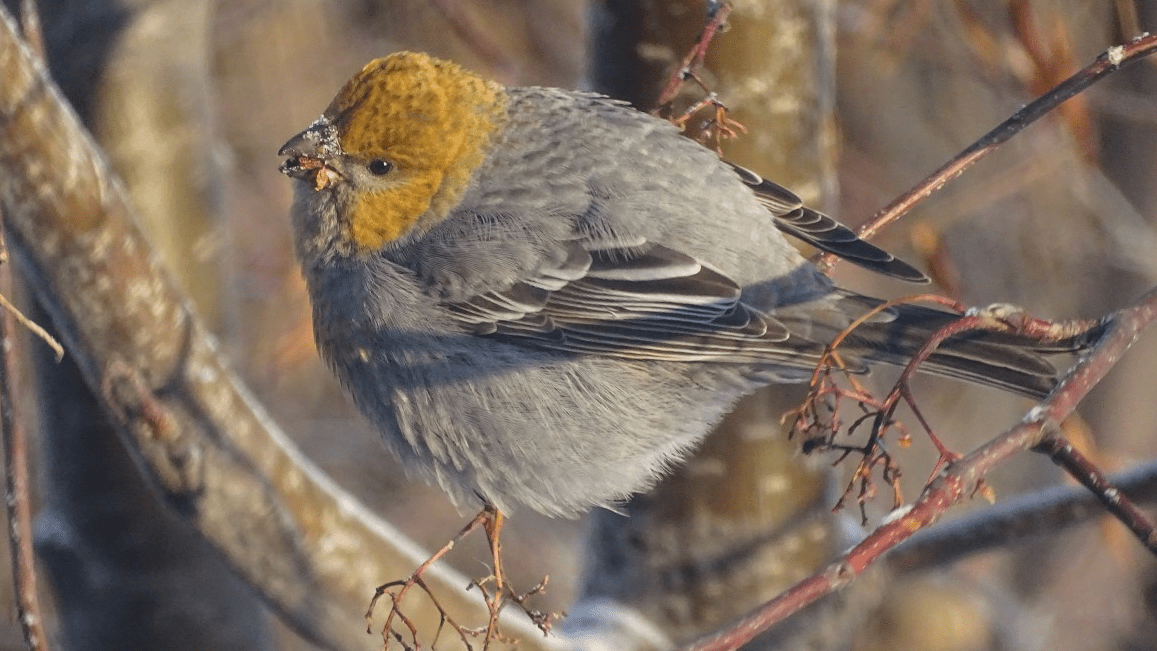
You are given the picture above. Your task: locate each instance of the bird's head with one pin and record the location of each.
(398, 145)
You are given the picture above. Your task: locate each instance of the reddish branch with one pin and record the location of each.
(956, 482)
(1114, 500)
(1017, 518)
(996, 318)
(716, 19)
(719, 126)
(1110, 61)
(1039, 429)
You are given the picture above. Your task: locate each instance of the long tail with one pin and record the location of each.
(1011, 362)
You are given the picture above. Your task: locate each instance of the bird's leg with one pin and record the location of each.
(492, 521)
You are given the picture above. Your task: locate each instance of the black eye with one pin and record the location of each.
(379, 167)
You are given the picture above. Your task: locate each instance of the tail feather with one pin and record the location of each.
(1009, 361)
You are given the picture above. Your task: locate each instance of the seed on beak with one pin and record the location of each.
(306, 167)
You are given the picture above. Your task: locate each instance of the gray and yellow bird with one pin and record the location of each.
(546, 298)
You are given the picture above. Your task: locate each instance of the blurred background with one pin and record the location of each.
(192, 99)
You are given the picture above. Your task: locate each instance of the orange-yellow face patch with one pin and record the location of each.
(432, 120)
(381, 217)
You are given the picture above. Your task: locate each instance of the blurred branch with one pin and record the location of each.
(465, 25)
(1017, 519)
(1049, 49)
(16, 475)
(30, 27)
(15, 438)
(310, 549)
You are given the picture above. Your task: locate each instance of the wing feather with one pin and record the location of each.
(823, 232)
(649, 302)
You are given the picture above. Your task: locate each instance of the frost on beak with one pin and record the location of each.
(308, 151)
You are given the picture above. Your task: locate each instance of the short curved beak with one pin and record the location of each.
(308, 150)
(319, 140)
(299, 145)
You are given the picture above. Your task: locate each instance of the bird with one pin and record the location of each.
(545, 298)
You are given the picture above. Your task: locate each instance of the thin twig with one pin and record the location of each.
(32, 327)
(1081, 468)
(490, 519)
(716, 19)
(1108, 62)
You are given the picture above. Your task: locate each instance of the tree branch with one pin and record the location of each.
(1109, 62)
(955, 482)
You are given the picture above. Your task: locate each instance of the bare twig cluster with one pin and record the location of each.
(495, 589)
